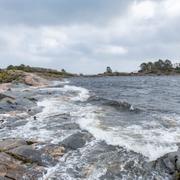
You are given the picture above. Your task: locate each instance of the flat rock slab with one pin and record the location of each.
(8, 144)
(3, 96)
(11, 168)
(19, 159)
(27, 154)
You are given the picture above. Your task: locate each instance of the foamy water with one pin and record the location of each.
(152, 143)
(63, 103)
(151, 138)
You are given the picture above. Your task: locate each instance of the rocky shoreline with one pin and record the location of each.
(22, 158)
(29, 158)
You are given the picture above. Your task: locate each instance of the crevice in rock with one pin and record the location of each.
(9, 177)
(29, 142)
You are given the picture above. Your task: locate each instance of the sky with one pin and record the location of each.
(86, 36)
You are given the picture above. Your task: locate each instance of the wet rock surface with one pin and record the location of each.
(76, 141)
(170, 163)
(54, 140)
(19, 159)
(14, 167)
(9, 144)
(26, 154)
(53, 150)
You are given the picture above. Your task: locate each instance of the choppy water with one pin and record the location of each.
(140, 115)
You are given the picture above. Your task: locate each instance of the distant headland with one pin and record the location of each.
(19, 73)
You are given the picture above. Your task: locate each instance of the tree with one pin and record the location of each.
(63, 70)
(143, 67)
(22, 67)
(150, 66)
(10, 67)
(168, 64)
(108, 70)
(157, 66)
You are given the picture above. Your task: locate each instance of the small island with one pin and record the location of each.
(157, 68)
(160, 67)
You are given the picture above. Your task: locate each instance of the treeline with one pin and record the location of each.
(159, 66)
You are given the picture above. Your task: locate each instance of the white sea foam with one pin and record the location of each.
(52, 106)
(83, 94)
(97, 173)
(49, 173)
(56, 83)
(39, 128)
(152, 143)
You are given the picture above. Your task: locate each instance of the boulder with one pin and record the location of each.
(170, 163)
(76, 141)
(166, 164)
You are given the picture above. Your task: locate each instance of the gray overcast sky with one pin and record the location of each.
(88, 35)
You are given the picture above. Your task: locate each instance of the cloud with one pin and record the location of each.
(56, 12)
(144, 9)
(172, 8)
(86, 36)
(112, 50)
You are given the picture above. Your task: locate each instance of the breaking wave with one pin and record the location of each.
(121, 105)
(152, 143)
